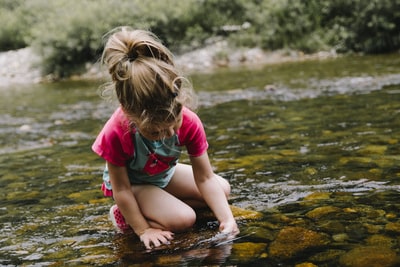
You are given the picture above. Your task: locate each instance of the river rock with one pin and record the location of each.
(381, 240)
(327, 255)
(238, 213)
(320, 212)
(371, 256)
(393, 227)
(306, 264)
(291, 241)
(331, 226)
(248, 251)
(318, 196)
(373, 149)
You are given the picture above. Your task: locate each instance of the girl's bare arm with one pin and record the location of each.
(213, 193)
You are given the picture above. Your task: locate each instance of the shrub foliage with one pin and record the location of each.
(68, 33)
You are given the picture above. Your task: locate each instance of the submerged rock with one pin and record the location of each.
(373, 149)
(381, 240)
(393, 227)
(320, 212)
(306, 264)
(248, 251)
(318, 196)
(327, 255)
(238, 213)
(291, 241)
(371, 256)
(244, 214)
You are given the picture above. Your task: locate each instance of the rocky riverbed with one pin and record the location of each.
(23, 66)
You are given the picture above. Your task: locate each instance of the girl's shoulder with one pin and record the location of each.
(117, 128)
(118, 122)
(189, 116)
(192, 134)
(114, 142)
(191, 123)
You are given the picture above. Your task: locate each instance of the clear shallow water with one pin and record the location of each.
(281, 134)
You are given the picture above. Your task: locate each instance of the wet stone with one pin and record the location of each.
(356, 231)
(238, 213)
(318, 196)
(393, 227)
(381, 240)
(332, 227)
(244, 214)
(327, 256)
(373, 149)
(169, 260)
(287, 152)
(372, 228)
(248, 251)
(371, 256)
(306, 264)
(391, 215)
(370, 212)
(291, 241)
(360, 160)
(340, 237)
(258, 233)
(320, 212)
(310, 171)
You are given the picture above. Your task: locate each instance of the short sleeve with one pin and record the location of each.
(114, 142)
(192, 134)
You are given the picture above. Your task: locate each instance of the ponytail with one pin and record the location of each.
(144, 77)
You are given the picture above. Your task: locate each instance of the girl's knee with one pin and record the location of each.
(183, 219)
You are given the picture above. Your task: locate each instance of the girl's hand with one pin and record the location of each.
(229, 228)
(153, 238)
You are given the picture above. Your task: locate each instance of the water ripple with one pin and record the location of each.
(316, 88)
(275, 194)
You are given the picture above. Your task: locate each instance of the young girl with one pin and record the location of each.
(142, 141)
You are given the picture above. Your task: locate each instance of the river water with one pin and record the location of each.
(312, 147)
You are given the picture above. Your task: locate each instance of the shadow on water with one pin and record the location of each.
(311, 148)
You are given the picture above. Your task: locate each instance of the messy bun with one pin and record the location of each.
(146, 81)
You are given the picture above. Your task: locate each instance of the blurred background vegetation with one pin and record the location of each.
(68, 33)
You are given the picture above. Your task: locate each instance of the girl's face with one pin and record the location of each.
(159, 132)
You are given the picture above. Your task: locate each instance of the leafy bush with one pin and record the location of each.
(68, 33)
(362, 26)
(375, 26)
(14, 25)
(71, 34)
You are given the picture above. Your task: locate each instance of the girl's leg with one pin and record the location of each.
(183, 186)
(163, 210)
(171, 208)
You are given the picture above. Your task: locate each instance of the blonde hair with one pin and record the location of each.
(146, 82)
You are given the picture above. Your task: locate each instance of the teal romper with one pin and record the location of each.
(153, 162)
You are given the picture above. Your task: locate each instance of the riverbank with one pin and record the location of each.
(23, 66)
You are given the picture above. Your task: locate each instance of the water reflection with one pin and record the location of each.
(196, 252)
(319, 162)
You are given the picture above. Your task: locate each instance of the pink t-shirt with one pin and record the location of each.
(115, 142)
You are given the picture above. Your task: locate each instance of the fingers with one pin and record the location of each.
(153, 238)
(229, 228)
